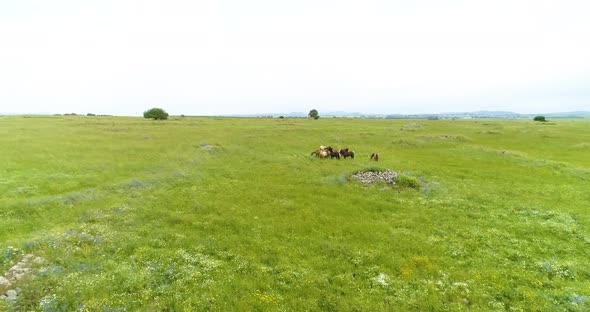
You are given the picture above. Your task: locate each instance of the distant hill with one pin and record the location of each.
(579, 114)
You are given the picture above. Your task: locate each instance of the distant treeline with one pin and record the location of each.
(89, 114)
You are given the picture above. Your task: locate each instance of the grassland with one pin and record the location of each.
(233, 214)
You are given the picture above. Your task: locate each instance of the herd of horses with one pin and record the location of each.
(328, 151)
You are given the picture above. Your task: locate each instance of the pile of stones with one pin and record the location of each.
(369, 177)
(20, 271)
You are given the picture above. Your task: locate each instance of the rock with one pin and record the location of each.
(23, 268)
(2, 297)
(4, 284)
(370, 177)
(14, 271)
(11, 294)
(17, 268)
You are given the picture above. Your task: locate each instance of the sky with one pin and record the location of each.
(122, 57)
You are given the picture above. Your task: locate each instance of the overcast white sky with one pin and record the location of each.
(258, 56)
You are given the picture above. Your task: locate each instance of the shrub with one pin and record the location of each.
(155, 113)
(407, 181)
(313, 114)
(539, 118)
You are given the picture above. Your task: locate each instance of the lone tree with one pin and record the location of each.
(539, 118)
(313, 114)
(155, 113)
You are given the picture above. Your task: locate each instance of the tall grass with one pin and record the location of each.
(233, 214)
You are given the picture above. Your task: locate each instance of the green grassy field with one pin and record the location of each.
(233, 214)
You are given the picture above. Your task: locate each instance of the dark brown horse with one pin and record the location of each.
(346, 153)
(334, 153)
(375, 156)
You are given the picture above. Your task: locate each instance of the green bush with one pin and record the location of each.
(155, 113)
(313, 114)
(407, 181)
(539, 118)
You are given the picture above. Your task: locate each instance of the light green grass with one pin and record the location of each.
(233, 214)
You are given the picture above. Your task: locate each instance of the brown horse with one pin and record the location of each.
(346, 153)
(320, 153)
(334, 153)
(375, 156)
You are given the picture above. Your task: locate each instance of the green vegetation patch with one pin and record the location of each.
(408, 181)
